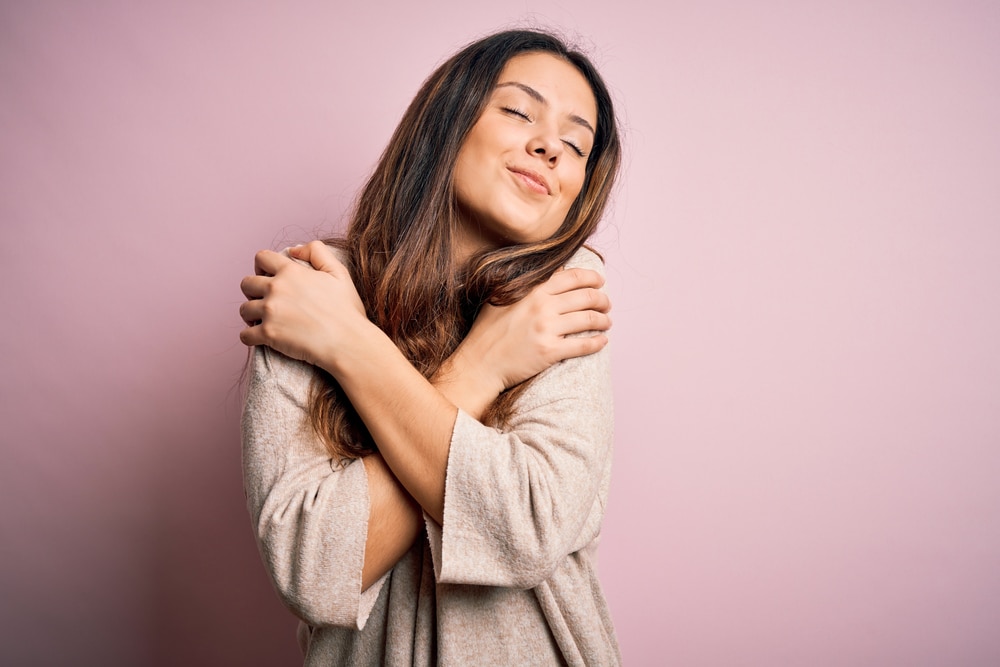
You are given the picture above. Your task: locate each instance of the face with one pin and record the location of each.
(523, 163)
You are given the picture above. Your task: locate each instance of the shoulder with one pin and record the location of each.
(273, 373)
(585, 258)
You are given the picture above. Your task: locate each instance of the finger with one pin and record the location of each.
(582, 299)
(252, 311)
(255, 287)
(581, 346)
(570, 279)
(581, 321)
(252, 336)
(267, 262)
(320, 256)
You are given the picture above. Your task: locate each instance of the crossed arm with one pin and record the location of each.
(315, 314)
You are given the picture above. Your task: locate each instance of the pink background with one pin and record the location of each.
(804, 258)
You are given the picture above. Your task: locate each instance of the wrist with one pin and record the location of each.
(360, 346)
(468, 382)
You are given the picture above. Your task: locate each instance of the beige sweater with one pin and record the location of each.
(508, 579)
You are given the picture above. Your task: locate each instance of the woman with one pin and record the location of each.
(428, 486)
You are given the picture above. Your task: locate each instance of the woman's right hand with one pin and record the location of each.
(509, 344)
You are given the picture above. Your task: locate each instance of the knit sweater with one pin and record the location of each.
(508, 578)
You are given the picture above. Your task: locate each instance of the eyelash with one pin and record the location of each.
(514, 111)
(576, 149)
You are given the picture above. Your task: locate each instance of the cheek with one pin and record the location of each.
(573, 188)
(471, 158)
(464, 177)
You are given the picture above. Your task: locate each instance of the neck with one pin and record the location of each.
(467, 240)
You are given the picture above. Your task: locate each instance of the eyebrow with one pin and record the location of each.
(538, 97)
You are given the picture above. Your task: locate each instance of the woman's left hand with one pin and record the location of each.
(509, 344)
(307, 313)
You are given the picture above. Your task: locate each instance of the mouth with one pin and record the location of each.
(532, 180)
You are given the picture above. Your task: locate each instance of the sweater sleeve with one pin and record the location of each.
(310, 514)
(519, 501)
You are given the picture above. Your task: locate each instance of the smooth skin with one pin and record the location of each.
(524, 161)
(315, 314)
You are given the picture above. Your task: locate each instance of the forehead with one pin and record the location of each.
(558, 81)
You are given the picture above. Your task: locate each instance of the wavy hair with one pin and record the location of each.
(399, 239)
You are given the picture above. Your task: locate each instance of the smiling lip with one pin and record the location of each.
(532, 179)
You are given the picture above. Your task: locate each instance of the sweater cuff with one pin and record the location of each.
(451, 545)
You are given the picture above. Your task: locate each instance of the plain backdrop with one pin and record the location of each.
(804, 258)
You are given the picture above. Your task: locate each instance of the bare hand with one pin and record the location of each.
(304, 312)
(510, 344)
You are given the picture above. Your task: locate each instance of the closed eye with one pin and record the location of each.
(513, 111)
(576, 149)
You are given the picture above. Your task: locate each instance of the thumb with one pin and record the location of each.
(320, 256)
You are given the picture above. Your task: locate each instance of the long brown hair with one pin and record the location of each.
(399, 240)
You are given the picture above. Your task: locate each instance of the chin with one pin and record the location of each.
(526, 234)
(516, 238)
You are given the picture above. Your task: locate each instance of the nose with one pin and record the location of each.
(547, 146)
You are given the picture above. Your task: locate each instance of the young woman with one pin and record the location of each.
(428, 427)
